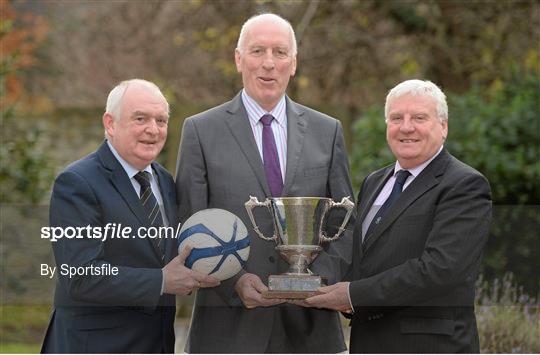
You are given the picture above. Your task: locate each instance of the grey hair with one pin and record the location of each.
(419, 87)
(266, 16)
(114, 100)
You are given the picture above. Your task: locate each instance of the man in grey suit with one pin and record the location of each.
(423, 223)
(261, 143)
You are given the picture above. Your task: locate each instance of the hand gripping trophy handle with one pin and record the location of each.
(346, 204)
(250, 205)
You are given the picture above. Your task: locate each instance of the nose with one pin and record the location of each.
(268, 60)
(152, 127)
(407, 125)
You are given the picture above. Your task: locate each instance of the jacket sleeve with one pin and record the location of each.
(192, 193)
(336, 259)
(191, 174)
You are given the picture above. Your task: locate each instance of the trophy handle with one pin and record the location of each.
(348, 205)
(250, 205)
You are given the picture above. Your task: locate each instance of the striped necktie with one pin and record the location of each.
(150, 204)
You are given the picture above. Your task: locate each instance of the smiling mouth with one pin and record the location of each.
(409, 140)
(266, 80)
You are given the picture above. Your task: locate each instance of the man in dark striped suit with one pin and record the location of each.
(422, 225)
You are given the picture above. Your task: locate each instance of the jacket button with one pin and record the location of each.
(271, 259)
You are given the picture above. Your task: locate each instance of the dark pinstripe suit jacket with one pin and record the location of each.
(414, 274)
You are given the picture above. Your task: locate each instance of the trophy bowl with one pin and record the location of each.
(299, 230)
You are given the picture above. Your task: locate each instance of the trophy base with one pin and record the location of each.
(292, 286)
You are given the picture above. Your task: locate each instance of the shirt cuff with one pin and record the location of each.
(163, 282)
(349, 296)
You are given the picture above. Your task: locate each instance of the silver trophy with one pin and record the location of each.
(299, 230)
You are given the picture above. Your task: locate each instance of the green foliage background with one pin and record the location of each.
(496, 131)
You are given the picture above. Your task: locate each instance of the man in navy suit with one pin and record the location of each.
(131, 307)
(422, 225)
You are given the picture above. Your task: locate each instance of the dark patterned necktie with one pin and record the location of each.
(401, 176)
(270, 158)
(150, 204)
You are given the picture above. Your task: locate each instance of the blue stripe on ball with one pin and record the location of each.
(198, 228)
(225, 248)
(201, 253)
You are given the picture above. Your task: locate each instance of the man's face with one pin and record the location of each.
(266, 62)
(413, 131)
(140, 133)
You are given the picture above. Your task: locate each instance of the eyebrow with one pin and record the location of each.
(417, 113)
(263, 46)
(137, 113)
(142, 113)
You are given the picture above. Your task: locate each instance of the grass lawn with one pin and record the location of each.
(18, 348)
(22, 328)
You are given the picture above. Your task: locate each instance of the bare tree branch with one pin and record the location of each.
(306, 19)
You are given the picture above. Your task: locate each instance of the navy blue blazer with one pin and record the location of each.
(414, 274)
(106, 313)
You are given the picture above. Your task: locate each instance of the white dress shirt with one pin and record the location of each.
(279, 127)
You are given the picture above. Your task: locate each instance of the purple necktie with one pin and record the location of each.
(270, 157)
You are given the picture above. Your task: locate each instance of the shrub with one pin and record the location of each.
(508, 319)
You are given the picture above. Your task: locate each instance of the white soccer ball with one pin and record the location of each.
(219, 242)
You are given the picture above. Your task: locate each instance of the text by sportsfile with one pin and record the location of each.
(110, 230)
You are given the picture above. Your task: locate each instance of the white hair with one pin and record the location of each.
(266, 16)
(419, 87)
(114, 100)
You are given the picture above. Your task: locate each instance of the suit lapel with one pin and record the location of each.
(366, 202)
(121, 182)
(167, 195)
(169, 204)
(427, 179)
(296, 129)
(364, 205)
(123, 185)
(238, 123)
(357, 247)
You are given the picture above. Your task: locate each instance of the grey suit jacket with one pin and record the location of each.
(219, 166)
(414, 274)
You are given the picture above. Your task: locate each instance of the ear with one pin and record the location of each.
(445, 129)
(109, 124)
(293, 71)
(238, 61)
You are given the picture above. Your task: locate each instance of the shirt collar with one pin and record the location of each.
(417, 169)
(255, 111)
(130, 170)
